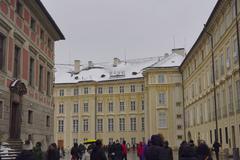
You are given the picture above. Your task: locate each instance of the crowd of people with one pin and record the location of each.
(155, 149)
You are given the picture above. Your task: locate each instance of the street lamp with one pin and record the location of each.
(214, 83)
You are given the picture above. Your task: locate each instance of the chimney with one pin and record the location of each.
(90, 64)
(116, 61)
(76, 66)
(180, 51)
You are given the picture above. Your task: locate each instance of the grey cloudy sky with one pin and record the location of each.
(100, 30)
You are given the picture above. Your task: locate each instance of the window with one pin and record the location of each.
(110, 90)
(60, 125)
(121, 89)
(85, 107)
(132, 88)
(75, 126)
(179, 116)
(30, 117)
(2, 52)
(133, 124)
(179, 127)
(110, 125)
(230, 102)
(228, 59)
(61, 92)
(142, 87)
(19, 8)
(133, 140)
(238, 93)
(235, 51)
(133, 105)
(48, 121)
(33, 24)
(41, 78)
(121, 106)
(48, 83)
(161, 78)
(162, 97)
(85, 90)
(162, 120)
(42, 35)
(110, 106)
(121, 124)
(17, 65)
(99, 107)
(99, 90)
(75, 108)
(75, 92)
(211, 136)
(143, 124)
(226, 135)
(85, 125)
(142, 105)
(99, 125)
(1, 109)
(222, 64)
(31, 72)
(61, 108)
(179, 137)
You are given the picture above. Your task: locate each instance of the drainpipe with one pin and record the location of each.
(95, 113)
(184, 116)
(214, 82)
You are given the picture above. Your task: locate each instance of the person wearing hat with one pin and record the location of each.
(27, 153)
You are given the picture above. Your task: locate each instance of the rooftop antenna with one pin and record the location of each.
(125, 56)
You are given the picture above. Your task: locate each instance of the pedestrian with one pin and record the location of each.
(216, 147)
(37, 151)
(111, 150)
(86, 155)
(124, 150)
(188, 151)
(203, 152)
(74, 152)
(52, 152)
(156, 150)
(166, 145)
(118, 151)
(27, 153)
(61, 152)
(140, 151)
(98, 152)
(180, 151)
(81, 150)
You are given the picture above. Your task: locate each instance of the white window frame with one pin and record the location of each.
(85, 107)
(75, 108)
(161, 78)
(110, 124)
(133, 123)
(162, 120)
(75, 125)
(162, 98)
(85, 125)
(100, 125)
(122, 106)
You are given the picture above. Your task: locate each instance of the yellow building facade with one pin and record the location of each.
(211, 80)
(115, 101)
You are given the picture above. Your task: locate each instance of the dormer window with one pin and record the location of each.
(33, 24)
(19, 8)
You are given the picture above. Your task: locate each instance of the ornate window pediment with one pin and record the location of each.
(18, 87)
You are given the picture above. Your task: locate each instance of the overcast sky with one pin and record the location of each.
(100, 30)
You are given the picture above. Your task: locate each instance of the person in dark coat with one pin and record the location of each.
(180, 151)
(37, 151)
(111, 151)
(74, 152)
(27, 153)
(188, 152)
(118, 151)
(52, 152)
(203, 152)
(156, 151)
(166, 145)
(98, 152)
(216, 147)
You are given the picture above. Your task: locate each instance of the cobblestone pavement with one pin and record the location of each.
(133, 156)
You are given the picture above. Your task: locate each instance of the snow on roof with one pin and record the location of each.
(128, 69)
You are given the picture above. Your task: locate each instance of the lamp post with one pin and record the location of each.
(214, 84)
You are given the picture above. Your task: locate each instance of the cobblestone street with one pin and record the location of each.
(133, 156)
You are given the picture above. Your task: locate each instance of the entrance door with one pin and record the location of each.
(15, 122)
(60, 143)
